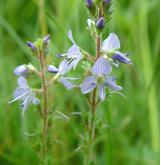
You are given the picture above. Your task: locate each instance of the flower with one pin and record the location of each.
(61, 70)
(100, 78)
(24, 94)
(110, 47)
(74, 54)
(21, 70)
(100, 24)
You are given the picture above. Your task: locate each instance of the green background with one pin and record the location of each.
(133, 134)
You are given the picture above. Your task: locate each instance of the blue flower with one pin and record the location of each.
(61, 70)
(110, 46)
(100, 78)
(24, 94)
(73, 55)
(21, 70)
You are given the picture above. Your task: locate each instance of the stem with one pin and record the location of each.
(93, 104)
(98, 46)
(45, 111)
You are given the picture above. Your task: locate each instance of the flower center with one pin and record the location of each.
(100, 78)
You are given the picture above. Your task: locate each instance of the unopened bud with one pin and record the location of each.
(100, 24)
(89, 3)
(21, 70)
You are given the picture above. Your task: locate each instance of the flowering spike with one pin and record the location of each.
(100, 24)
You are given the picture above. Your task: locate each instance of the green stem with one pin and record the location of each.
(45, 110)
(91, 126)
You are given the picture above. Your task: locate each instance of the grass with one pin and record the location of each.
(133, 133)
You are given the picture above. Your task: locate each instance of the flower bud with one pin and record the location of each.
(21, 70)
(59, 55)
(89, 3)
(100, 24)
(121, 58)
(46, 39)
(91, 7)
(52, 69)
(30, 45)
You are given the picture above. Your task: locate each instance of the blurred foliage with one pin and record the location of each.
(133, 133)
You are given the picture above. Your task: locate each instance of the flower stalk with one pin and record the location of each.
(93, 104)
(45, 108)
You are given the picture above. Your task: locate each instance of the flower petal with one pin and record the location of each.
(111, 43)
(63, 67)
(66, 83)
(73, 64)
(25, 104)
(74, 52)
(35, 100)
(102, 91)
(22, 82)
(88, 84)
(70, 36)
(101, 66)
(121, 58)
(21, 93)
(111, 82)
(52, 69)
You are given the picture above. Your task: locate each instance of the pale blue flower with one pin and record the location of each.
(100, 78)
(61, 70)
(73, 55)
(24, 94)
(110, 47)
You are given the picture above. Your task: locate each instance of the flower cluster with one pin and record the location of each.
(24, 93)
(101, 66)
(99, 77)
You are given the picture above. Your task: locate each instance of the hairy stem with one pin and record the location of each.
(98, 46)
(93, 104)
(45, 110)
